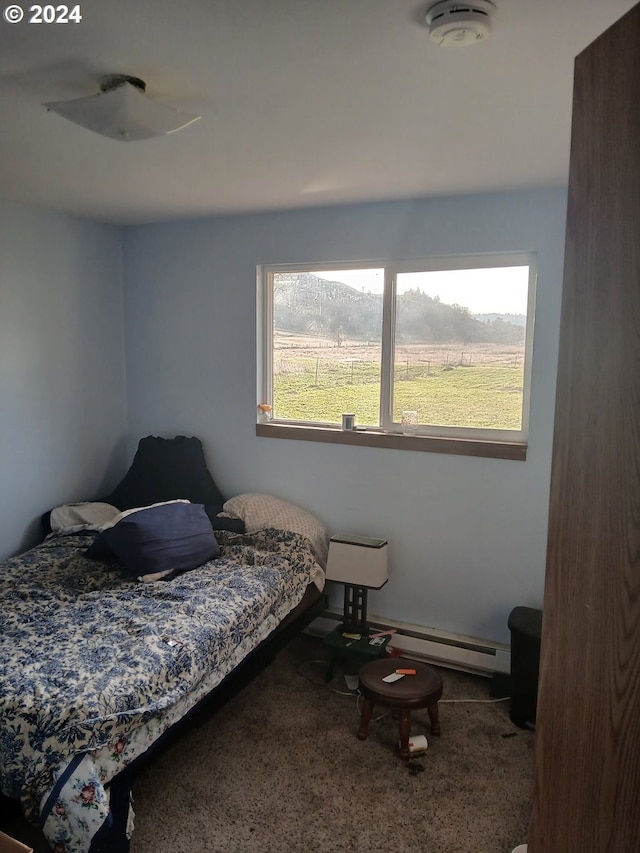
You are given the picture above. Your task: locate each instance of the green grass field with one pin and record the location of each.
(483, 396)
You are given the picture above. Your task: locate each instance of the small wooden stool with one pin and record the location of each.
(422, 690)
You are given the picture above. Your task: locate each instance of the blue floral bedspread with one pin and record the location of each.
(94, 666)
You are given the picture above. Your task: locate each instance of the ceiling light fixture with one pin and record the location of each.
(121, 110)
(455, 24)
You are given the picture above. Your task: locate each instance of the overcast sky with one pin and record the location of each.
(501, 290)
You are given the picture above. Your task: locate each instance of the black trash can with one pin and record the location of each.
(525, 624)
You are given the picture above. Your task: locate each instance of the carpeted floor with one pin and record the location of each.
(280, 770)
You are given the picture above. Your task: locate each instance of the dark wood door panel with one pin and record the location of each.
(586, 796)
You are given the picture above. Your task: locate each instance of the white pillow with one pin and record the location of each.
(260, 510)
(91, 514)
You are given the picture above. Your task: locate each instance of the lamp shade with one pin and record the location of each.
(358, 560)
(122, 110)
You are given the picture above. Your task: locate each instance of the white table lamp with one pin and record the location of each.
(360, 563)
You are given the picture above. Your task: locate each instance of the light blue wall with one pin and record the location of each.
(62, 386)
(467, 536)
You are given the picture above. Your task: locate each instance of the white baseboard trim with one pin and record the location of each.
(454, 651)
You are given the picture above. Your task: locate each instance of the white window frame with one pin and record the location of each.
(388, 427)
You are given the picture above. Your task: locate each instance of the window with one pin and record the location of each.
(447, 339)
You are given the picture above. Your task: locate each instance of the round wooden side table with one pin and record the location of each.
(422, 690)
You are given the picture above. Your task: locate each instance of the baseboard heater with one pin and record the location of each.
(454, 651)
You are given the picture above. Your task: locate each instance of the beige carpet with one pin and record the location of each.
(280, 770)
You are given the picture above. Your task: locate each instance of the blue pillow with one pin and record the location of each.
(172, 537)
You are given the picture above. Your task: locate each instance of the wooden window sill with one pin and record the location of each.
(396, 441)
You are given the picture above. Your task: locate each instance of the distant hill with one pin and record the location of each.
(307, 304)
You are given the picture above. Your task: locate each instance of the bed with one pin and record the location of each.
(114, 633)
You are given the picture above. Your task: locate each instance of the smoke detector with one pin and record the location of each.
(455, 24)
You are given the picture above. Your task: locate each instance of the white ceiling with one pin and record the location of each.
(304, 103)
